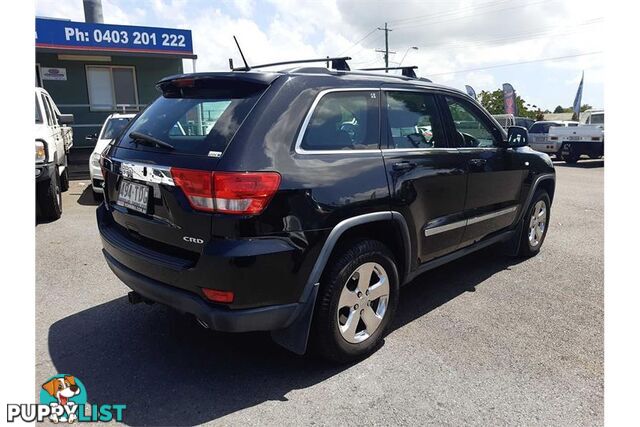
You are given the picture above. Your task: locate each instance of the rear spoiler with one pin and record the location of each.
(171, 83)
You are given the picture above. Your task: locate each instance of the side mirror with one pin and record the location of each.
(517, 136)
(65, 119)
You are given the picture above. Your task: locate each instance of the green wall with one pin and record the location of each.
(148, 71)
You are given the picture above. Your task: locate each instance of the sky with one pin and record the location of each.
(458, 42)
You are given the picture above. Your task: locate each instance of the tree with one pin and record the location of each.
(559, 109)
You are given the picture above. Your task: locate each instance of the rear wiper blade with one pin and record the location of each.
(142, 137)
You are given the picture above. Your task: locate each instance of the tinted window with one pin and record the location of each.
(38, 113)
(597, 119)
(194, 121)
(414, 121)
(543, 127)
(47, 111)
(472, 129)
(113, 127)
(344, 121)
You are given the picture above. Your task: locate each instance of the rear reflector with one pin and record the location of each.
(553, 138)
(218, 296)
(242, 193)
(595, 138)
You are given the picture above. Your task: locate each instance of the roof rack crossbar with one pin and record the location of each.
(339, 63)
(407, 71)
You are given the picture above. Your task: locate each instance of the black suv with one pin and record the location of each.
(299, 201)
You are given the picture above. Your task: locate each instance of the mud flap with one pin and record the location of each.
(512, 246)
(295, 337)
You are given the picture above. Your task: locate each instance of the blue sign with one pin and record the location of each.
(69, 35)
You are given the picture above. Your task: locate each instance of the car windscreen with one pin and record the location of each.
(38, 113)
(113, 127)
(542, 127)
(193, 121)
(597, 119)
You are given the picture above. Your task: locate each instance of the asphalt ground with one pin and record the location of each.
(484, 340)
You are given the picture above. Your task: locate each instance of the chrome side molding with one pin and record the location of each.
(476, 219)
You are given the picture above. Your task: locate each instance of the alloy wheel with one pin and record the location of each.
(537, 223)
(363, 302)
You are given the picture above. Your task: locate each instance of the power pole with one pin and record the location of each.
(386, 52)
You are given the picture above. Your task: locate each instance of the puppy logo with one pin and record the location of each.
(65, 392)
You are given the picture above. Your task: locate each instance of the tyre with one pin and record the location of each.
(50, 198)
(356, 302)
(535, 224)
(64, 180)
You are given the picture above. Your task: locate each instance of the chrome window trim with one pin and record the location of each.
(428, 232)
(443, 149)
(307, 119)
(154, 174)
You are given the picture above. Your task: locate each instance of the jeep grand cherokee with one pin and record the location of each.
(299, 201)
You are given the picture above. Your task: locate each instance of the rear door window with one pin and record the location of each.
(414, 121)
(344, 120)
(194, 121)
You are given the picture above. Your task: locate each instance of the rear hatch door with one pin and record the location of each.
(188, 127)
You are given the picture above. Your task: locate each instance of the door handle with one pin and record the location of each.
(477, 164)
(403, 166)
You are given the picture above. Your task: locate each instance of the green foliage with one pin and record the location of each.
(494, 103)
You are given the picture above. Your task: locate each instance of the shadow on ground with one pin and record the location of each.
(169, 371)
(86, 197)
(582, 164)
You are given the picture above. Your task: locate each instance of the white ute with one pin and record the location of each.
(54, 138)
(111, 128)
(587, 138)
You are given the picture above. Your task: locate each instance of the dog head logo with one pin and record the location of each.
(62, 388)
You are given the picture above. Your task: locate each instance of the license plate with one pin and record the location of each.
(573, 138)
(133, 196)
(540, 138)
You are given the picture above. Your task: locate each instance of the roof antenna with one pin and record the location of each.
(246, 66)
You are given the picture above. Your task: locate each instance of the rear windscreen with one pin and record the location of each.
(543, 127)
(113, 127)
(193, 121)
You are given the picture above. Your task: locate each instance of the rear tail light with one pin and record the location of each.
(218, 296)
(197, 186)
(242, 193)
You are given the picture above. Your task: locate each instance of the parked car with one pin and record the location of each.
(592, 117)
(539, 136)
(278, 219)
(585, 139)
(54, 138)
(114, 124)
(508, 120)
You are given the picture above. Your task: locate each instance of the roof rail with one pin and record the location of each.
(407, 71)
(339, 63)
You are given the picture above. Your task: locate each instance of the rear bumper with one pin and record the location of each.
(218, 318)
(577, 148)
(261, 272)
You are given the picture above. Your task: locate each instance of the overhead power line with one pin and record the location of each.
(557, 58)
(453, 17)
(358, 42)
